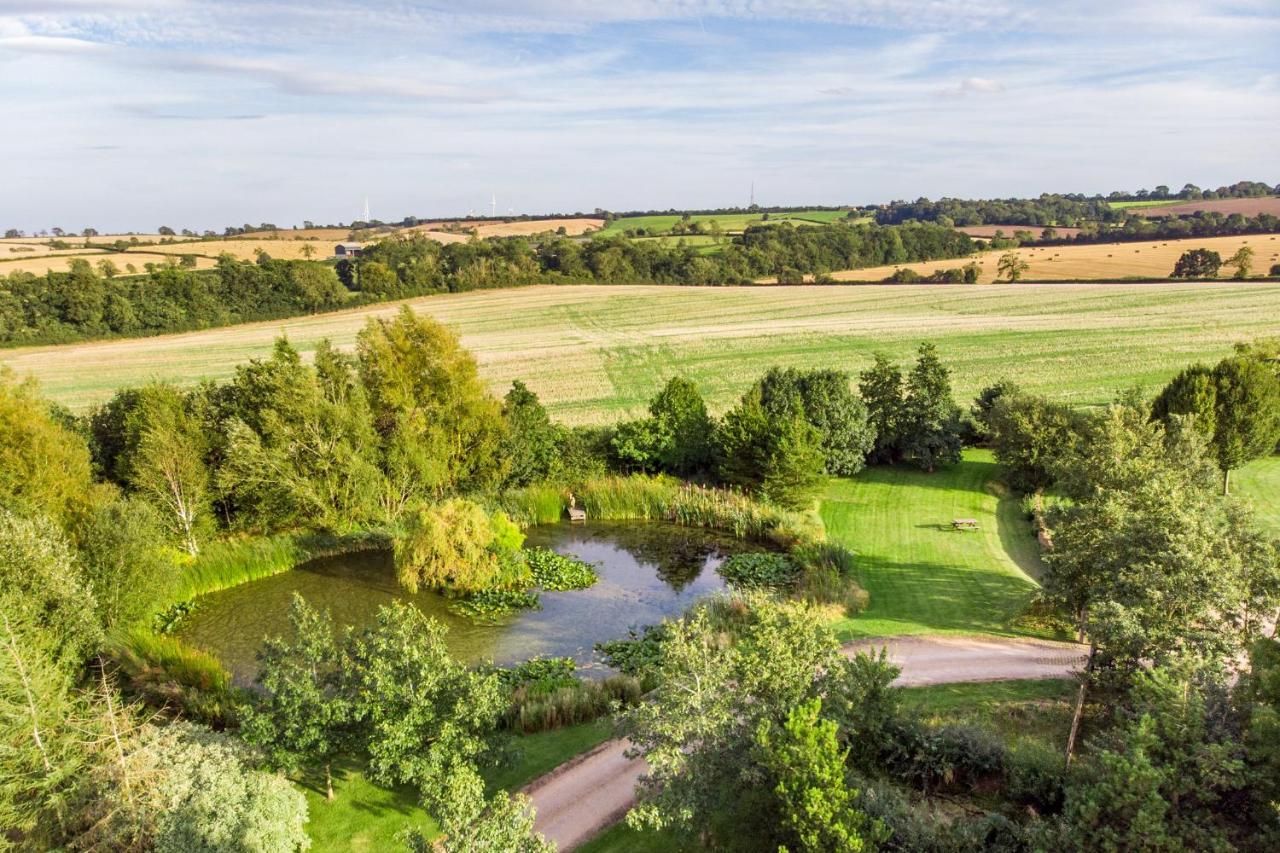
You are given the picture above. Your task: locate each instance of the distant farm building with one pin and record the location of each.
(347, 250)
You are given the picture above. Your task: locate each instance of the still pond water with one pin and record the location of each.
(648, 571)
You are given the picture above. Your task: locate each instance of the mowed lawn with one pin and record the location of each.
(595, 354)
(1259, 481)
(924, 576)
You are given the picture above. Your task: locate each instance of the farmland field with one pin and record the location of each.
(1093, 261)
(728, 221)
(1136, 205)
(595, 353)
(62, 262)
(1225, 206)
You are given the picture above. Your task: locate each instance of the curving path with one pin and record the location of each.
(584, 795)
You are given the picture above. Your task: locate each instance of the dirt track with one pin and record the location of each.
(581, 797)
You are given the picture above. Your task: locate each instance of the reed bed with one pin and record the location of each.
(641, 498)
(537, 710)
(230, 562)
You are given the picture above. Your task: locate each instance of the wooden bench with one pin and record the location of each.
(965, 523)
(577, 513)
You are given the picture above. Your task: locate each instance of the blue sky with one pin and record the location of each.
(128, 114)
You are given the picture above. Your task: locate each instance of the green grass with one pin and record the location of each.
(621, 838)
(1020, 710)
(598, 353)
(1259, 482)
(728, 221)
(365, 816)
(1124, 205)
(923, 576)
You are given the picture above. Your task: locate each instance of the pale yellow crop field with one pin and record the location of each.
(595, 353)
(62, 263)
(572, 227)
(1095, 261)
(245, 249)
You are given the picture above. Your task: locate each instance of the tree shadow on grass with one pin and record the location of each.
(940, 597)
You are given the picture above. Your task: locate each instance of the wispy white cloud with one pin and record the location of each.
(206, 113)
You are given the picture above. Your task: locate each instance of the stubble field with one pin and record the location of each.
(595, 353)
(1097, 261)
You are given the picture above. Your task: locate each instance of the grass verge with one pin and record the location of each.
(1259, 482)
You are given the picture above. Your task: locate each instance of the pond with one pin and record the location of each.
(648, 571)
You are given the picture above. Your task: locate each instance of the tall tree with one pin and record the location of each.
(881, 387)
(441, 428)
(304, 718)
(1248, 413)
(680, 415)
(531, 442)
(168, 464)
(931, 428)
(817, 807)
(830, 406)
(424, 714)
(778, 458)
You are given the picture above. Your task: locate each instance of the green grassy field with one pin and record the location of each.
(367, 817)
(1123, 205)
(728, 221)
(1259, 481)
(598, 353)
(922, 575)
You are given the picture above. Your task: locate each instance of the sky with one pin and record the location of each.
(129, 114)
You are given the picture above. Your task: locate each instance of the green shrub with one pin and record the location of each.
(825, 555)
(825, 587)
(760, 570)
(1035, 777)
(556, 572)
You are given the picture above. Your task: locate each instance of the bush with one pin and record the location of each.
(1035, 777)
(825, 587)
(760, 570)
(556, 572)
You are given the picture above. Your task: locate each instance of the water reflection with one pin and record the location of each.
(648, 571)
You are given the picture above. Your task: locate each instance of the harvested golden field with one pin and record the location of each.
(573, 227)
(246, 250)
(595, 353)
(10, 251)
(337, 235)
(61, 263)
(1095, 261)
(111, 238)
(988, 231)
(1225, 206)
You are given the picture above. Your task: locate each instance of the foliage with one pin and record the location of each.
(760, 570)
(697, 731)
(1163, 775)
(303, 719)
(818, 809)
(447, 546)
(1235, 406)
(441, 427)
(423, 713)
(1027, 435)
(780, 459)
(41, 587)
(210, 800)
(1147, 557)
(882, 392)
(1242, 260)
(931, 419)
(44, 468)
(638, 654)
(827, 402)
(556, 572)
(1197, 263)
(164, 462)
(531, 442)
(469, 822)
(1012, 266)
(126, 562)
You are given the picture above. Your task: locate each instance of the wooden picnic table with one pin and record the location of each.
(965, 523)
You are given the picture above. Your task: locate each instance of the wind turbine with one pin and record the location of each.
(365, 214)
(493, 206)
